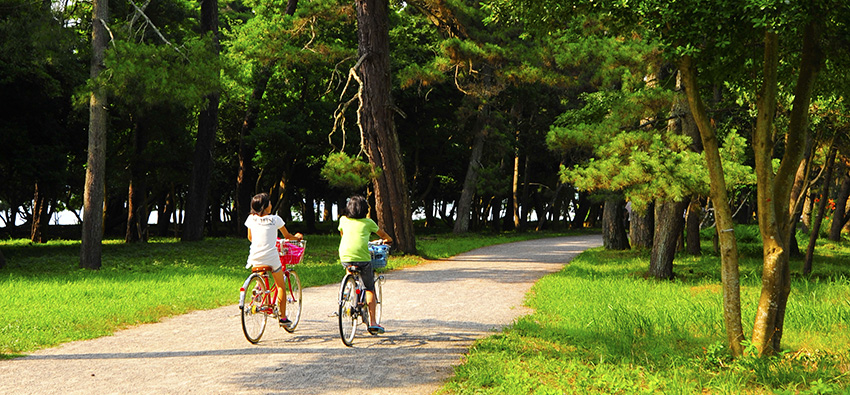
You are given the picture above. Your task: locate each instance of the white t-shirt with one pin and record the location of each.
(263, 238)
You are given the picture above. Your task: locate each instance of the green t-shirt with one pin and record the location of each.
(354, 246)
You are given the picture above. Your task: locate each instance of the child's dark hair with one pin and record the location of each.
(259, 203)
(357, 207)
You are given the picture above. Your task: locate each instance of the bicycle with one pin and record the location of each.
(258, 300)
(352, 295)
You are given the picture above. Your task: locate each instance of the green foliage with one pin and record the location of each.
(343, 171)
(146, 74)
(647, 163)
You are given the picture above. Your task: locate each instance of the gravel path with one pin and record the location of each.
(433, 313)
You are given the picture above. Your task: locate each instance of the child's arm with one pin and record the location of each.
(290, 236)
(249, 234)
(383, 235)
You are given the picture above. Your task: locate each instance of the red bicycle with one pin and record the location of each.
(258, 299)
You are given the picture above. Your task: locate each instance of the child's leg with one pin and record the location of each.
(372, 303)
(281, 292)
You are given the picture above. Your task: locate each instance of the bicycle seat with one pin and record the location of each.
(260, 269)
(353, 269)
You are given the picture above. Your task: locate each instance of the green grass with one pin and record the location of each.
(46, 300)
(600, 327)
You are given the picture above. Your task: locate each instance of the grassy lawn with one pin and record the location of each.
(46, 300)
(600, 327)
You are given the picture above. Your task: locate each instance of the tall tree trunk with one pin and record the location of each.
(670, 215)
(824, 197)
(2, 260)
(774, 192)
(137, 218)
(669, 223)
(166, 209)
(729, 273)
(470, 182)
(392, 200)
(92, 231)
(839, 216)
(515, 186)
(692, 227)
(40, 217)
(613, 224)
(642, 228)
(202, 163)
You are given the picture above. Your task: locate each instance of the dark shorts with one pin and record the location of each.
(366, 273)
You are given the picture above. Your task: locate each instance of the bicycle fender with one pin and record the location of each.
(242, 291)
(341, 287)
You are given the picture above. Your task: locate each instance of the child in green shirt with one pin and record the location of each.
(356, 230)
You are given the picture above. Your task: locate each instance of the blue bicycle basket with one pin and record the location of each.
(379, 255)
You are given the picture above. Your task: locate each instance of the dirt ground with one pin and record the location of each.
(432, 313)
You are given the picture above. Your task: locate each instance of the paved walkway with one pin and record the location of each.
(433, 313)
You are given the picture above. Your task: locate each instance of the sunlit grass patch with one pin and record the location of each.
(601, 326)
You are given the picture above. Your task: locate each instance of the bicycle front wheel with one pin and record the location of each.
(347, 310)
(293, 300)
(379, 299)
(253, 316)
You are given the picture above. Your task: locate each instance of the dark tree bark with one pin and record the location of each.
(166, 210)
(594, 215)
(692, 227)
(40, 216)
(202, 163)
(246, 178)
(839, 216)
(464, 208)
(137, 214)
(2, 260)
(92, 230)
(582, 208)
(392, 201)
(642, 228)
(669, 223)
(824, 197)
(614, 235)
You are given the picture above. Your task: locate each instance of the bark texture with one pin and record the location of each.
(774, 192)
(824, 195)
(669, 223)
(470, 182)
(839, 216)
(728, 245)
(40, 216)
(692, 227)
(642, 228)
(392, 200)
(614, 235)
(137, 192)
(92, 229)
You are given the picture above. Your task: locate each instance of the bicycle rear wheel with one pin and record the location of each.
(293, 300)
(254, 293)
(347, 310)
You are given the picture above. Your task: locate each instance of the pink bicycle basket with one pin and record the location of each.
(291, 251)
